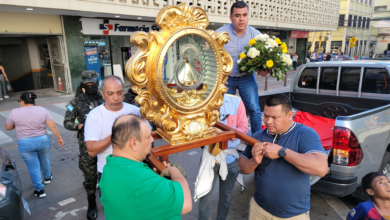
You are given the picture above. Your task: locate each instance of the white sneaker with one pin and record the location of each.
(6, 96)
(47, 181)
(1, 99)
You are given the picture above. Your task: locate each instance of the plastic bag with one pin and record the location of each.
(8, 86)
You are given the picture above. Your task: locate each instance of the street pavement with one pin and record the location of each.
(66, 198)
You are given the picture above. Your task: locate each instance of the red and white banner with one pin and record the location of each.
(299, 34)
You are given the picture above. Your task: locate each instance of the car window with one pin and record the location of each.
(308, 78)
(1, 158)
(329, 78)
(376, 80)
(350, 79)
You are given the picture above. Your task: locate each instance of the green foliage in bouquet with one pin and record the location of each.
(265, 53)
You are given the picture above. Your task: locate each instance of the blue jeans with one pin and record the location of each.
(225, 193)
(248, 89)
(35, 153)
(3, 89)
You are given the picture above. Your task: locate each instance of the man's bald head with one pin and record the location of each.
(125, 128)
(109, 80)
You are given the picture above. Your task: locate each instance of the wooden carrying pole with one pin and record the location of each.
(227, 133)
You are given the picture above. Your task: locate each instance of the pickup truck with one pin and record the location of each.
(357, 95)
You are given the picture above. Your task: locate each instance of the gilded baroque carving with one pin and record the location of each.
(182, 15)
(184, 106)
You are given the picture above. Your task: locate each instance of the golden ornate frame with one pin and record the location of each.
(177, 123)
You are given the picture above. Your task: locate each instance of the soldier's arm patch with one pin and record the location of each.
(70, 107)
(353, 212)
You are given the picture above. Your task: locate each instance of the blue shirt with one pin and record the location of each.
(366, 211)
(280, 188)
(236, 44)
(230, 107)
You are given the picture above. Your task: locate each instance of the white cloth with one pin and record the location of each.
(99, 126)
(205, 177)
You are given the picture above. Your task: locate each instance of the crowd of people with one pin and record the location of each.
(114, 141)
(314, 57)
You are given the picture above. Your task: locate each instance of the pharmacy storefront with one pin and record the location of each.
(107, 44)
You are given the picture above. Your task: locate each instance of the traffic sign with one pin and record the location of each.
(352, 45)
(353, 40)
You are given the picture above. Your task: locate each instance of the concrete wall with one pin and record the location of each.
(283, 14)
(29, 23)
(16, 60)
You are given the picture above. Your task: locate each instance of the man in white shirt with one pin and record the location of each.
(313, 57)
(100, 120)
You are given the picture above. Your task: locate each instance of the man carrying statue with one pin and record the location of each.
(87, 98)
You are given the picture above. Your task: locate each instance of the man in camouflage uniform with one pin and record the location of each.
(130, 97)
(87, 98)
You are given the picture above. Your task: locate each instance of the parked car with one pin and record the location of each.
(357, 95)
(11, 201)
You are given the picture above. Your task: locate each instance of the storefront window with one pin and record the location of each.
(98, 55)
(108, 55)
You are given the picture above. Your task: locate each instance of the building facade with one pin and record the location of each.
(382, 9)
(355, 20)
(94, 34)
(382, 17)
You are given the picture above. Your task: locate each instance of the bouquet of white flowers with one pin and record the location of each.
(265, 53)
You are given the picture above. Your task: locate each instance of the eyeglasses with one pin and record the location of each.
(19, 101)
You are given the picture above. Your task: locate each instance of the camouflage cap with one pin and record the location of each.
(89, 76)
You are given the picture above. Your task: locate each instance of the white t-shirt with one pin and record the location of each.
(99, 126)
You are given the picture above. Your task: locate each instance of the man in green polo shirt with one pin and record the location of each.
(130, 189)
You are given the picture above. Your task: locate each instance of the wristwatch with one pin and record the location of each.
(282, 152)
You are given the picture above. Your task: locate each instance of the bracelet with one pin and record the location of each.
(59, 138)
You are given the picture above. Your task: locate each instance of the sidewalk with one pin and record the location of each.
(274, 86)
(44, 97)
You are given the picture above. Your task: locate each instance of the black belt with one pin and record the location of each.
(238, 76)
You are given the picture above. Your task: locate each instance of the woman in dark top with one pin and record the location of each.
(3, 78)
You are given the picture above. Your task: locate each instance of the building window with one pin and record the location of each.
(341, 20)
(328, 79)
(364, 23)
(349, 80)
(308, 78)
(380, 8)
(368, 23)
(354, 22)
(360, 21)
(349, 20)
(376, 80)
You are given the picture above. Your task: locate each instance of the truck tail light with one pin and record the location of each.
(346, 148)
(3, 192)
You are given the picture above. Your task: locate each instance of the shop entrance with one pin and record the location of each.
(28, 62)
(58, 64)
